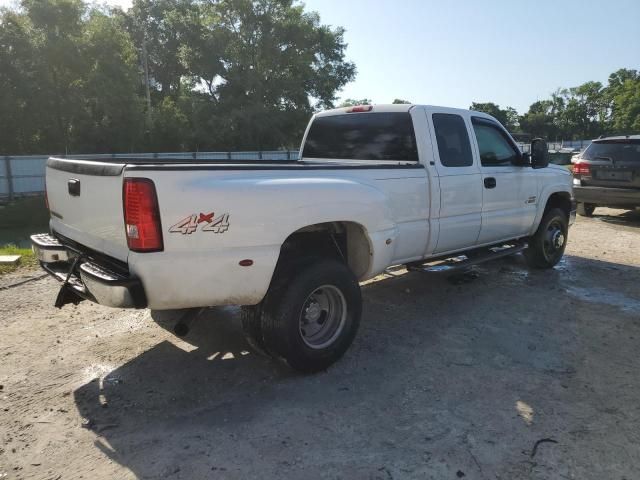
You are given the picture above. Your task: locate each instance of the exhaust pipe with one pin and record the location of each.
(183, 325)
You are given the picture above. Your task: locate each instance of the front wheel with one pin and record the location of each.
(313, 319)
(547, 245)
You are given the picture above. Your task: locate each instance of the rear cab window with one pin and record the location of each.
(362, 136)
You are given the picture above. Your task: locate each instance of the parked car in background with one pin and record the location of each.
(607, 174)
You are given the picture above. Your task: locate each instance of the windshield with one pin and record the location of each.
(615, 151)
(362, 136)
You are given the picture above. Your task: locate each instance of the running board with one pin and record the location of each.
(466, 260)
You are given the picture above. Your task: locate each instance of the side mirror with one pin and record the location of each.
(539, 153)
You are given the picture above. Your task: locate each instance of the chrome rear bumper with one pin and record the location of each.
(84, 277)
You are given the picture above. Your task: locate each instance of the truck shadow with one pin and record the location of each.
(209, 407)
(630, 218)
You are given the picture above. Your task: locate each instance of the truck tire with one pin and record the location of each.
(312, 321)
(547, 245)
(585, 209)
(251, 317)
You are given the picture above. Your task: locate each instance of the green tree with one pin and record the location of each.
(399, 101)
(18, 77)
(220, 74)
(539, 120)
(623, 94)
(164, 31)
(278, 58)
(249, 73)
(112, 116)
(69, 80)
(351, 102)
(507, 117)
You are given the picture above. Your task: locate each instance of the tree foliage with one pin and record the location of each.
(213, 75)
(164, 75)
(507, 117)
(352, 102)
(587, 111)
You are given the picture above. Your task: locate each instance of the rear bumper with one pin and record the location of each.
(607, 196)
(84, 277)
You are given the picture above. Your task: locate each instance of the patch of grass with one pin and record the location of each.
(28, 259)
(21, 218)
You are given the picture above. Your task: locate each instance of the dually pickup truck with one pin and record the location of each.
(434, 189)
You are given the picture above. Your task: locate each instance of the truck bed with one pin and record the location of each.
(115, 166)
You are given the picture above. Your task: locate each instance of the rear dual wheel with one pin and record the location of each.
(310, 319)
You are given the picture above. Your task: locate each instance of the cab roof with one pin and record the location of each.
(401, 107)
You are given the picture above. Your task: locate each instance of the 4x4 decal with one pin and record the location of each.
(211, 223)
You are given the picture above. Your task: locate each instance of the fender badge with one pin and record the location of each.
(211, 223)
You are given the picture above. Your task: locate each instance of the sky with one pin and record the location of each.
(452, 53)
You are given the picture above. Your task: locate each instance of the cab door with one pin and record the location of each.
(509, 189)
(460, 183)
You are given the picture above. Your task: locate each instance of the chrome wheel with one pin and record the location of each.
(322, 317)
(554, 240)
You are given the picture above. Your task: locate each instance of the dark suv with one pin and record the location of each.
(607, 174)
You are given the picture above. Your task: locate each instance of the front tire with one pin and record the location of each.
(547, 245)
(585, 209)
(312, 320)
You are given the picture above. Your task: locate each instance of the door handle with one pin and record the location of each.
(489, 182)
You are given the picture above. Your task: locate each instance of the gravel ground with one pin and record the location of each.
(514, 374)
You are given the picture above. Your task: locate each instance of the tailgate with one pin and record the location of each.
(85, 200)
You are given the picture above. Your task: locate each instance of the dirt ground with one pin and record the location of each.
(515, 374)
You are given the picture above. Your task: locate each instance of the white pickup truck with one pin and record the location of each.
(428, 187)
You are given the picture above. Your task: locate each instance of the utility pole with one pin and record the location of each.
(145, 61)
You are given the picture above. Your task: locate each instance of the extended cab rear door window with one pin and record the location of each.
(362, 136)
(496, 150)
(453, 140)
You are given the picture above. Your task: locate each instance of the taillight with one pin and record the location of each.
(360, 109)
(142, 215)
(581, 168)
(46, 195)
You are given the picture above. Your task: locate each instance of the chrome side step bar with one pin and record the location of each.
(466, 260)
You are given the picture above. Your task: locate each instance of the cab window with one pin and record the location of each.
(453, 140)
(493, 144)
(362, 136)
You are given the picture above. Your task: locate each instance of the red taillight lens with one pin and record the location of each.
(142, 215)
(581, 169)
(360, 109)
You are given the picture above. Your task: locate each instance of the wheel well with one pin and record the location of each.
(344, 241)
(561, 200)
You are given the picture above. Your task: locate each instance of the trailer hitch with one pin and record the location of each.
(67, 294)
